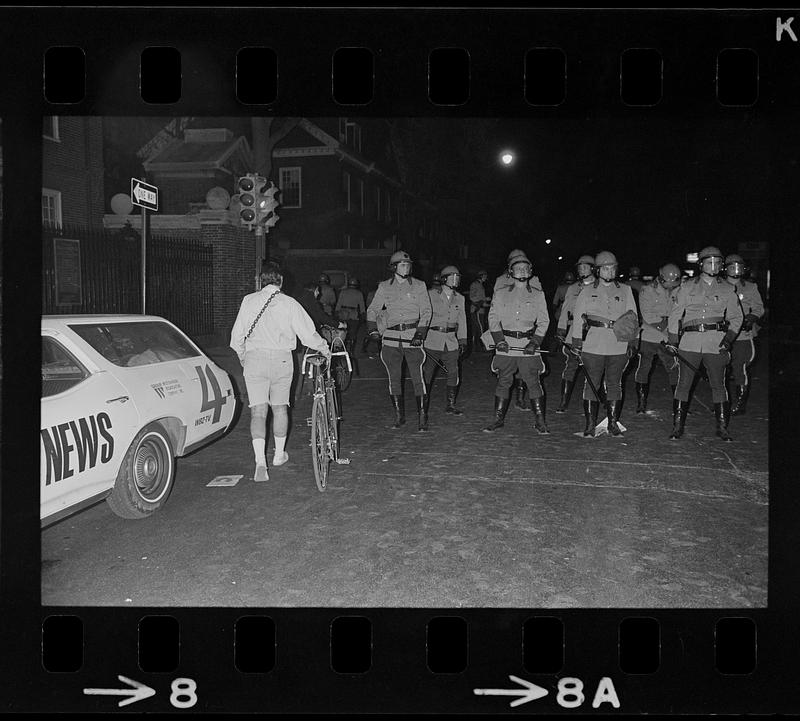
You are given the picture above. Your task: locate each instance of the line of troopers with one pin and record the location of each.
(706, 320)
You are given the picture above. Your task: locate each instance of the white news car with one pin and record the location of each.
(122, 397)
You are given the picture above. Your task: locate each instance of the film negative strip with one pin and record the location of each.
(447, 571)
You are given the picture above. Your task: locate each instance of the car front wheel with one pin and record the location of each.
(146, 475)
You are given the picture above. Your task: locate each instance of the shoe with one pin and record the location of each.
(399, 411)
(522, 392)
(566, 392)
(612, 411)
(723, 413)
(740, 405)
(452, 391)
(279, 460)
(641, 395)
(261, 474)
(679, 418)
(422, 412)
(500, 408)
(537, 406)
(590, 411)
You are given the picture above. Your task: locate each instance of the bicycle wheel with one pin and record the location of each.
(333, 420)
(320, 455)
(341, 374)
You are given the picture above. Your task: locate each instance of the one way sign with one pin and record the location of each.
(144, 194)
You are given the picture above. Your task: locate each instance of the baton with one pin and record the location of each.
(519, 350)
(680, 357)
(577, 354)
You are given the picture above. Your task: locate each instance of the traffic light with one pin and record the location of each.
(247, 199)
(267, 205)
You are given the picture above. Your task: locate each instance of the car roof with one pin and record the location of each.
(61, 320)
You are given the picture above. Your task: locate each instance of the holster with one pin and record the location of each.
(584, 327)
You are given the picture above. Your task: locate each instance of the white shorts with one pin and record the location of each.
(268, 377)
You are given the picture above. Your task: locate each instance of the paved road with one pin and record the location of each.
(452, 518)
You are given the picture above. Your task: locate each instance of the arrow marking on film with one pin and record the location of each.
(137, 693)
(531, 692)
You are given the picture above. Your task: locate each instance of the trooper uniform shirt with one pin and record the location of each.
(407, 303)
(565, 318)
(559, 295)
(448, 320)
(519, 309)
(701, 303)
(602, 302)
(350, 305)
(750, 298)
(327, 297)
(655, 304)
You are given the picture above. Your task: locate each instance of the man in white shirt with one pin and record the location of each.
(264, 334)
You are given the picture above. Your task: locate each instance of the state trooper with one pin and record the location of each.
(327, 295)
(703, 324)
(407, 317)
(506, 280)
(635, 279)
(599, 308)
(585, 270)
(744, 349)
(518, 321)
(350, 309)
(447, 334)
(478, 308)
(561, 292)
(655, 303)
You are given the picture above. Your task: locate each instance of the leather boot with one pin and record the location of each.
(522, 392)
(537, 406)
(739, 405)
(590, 411)
(722, 411)
(566, 392)
(612, 412)
(679, 418)
(500, 408)
(399, 411)
(641, 395)
(452, 391)
(422, 412)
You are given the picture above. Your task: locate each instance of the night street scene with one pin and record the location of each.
(505, 363)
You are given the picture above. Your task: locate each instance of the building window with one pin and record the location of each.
(359, 196)
(388, 207)
(51, 207)
(291, 187)
(378, 201)
(350, 133)
(346, 190)
(50, 127)
(347, 241)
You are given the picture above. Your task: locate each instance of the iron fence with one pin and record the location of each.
(179, 275)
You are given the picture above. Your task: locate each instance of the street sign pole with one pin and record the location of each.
(259, 254)
(145, 233)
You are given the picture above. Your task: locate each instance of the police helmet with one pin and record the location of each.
(734, 265)
(399, 257)
(569, 277)
(710, 251)
(635, 272)
(518, 257)
(670, 275)
(353, 283)
(514, 253)
(324, 278)
(585, 259)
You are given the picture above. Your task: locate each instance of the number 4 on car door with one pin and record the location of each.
(218, 400)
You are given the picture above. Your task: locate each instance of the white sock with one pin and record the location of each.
(279, 444)
(258, 449)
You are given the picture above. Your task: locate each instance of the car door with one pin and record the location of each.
(214, 402)
(88, 421)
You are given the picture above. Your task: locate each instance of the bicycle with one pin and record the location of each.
(341, 368)
(325, 414)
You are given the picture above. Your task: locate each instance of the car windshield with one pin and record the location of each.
(136, 343)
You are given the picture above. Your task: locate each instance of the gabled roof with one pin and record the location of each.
(188, 154)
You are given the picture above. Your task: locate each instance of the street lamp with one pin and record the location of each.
(506, 157)
(548, 241)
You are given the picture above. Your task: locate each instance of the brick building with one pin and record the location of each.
(72, 171)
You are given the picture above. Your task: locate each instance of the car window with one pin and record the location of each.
(137, 343)
(60, 369)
